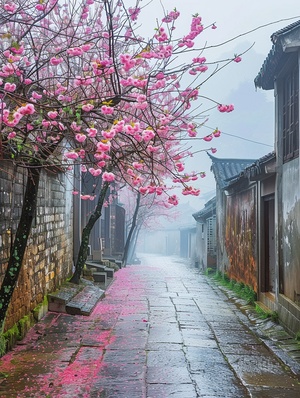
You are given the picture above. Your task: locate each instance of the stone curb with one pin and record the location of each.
(272, 334)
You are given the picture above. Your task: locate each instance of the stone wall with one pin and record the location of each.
(49, 255)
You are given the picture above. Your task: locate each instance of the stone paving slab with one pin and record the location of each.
(85, 301)
(57, 300)
(172, 390)
(161, 330)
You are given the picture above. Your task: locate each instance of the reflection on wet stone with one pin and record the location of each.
(162, 330)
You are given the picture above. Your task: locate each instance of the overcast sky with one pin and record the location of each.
(248, 131)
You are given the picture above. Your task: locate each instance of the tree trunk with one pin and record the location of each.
(85, 236)
(132, 228)
(132, 247)
(20, 242)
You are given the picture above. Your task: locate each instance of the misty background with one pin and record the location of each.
(248, 131)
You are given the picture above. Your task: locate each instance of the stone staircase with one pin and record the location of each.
(101, 273)
(75, 299)
(81, 299)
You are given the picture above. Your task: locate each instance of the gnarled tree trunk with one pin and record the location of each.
(85, 236)
(20, 242)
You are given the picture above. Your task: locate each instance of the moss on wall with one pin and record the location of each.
(18, 331)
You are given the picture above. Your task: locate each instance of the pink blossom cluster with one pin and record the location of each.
(190, 94)
(11, 119)
(161, 35)
(216, 133)
(160, 51)
(54, 61)
(151, 189)
(10, 7)
(108, 176)
(179, 167)
(196, 29)
(127, 61)
(225, 108)
(172, 16)
(87, 197)
(79, 50)
(201, 69)
(133, 13)
(191, 129)
(185, 178)
(83, 81)
(173, 200)
(107, 110)
(9, 70)
(103, 66)
(190, 191)
(134, 82)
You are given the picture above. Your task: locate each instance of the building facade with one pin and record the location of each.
(280, 72)
(258, 201)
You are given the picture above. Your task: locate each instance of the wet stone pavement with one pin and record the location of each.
(162, 330)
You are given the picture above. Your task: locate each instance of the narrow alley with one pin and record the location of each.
(162, 330)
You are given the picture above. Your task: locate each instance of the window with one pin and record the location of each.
(211, 235)
(291, 115)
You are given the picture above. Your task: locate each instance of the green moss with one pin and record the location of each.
(264, 314)
(24, 325)
(37, 310)
(16, 333)
(243, 291)
(10, 337)
(2, 345)
(209, 271)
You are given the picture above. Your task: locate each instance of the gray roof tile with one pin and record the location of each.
(227, 169)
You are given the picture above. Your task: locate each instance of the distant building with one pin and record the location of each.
(206, 244)
(171, 235)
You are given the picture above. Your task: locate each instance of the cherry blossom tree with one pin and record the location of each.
(80, 87)
(143, 212)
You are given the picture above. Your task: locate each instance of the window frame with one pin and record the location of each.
(290, 112)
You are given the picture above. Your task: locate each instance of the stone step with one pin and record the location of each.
(100, 277)
(84, 302)
(109, 272)
(101, 268)
(97, 266)
(57, 300)
(119, 263)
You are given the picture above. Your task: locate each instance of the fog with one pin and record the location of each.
(249, 130)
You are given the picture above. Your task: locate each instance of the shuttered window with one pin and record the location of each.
(291, 115)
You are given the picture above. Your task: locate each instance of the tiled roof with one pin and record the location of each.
(227, 169)
(208, 211)
(255, 170)
(275, 58)
(284, 30)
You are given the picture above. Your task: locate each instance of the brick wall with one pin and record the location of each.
(49, 255)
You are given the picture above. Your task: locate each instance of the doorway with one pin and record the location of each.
(268, 274)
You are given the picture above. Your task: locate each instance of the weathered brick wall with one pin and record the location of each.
(49, 255)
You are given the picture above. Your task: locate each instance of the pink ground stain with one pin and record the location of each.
(63, 379)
